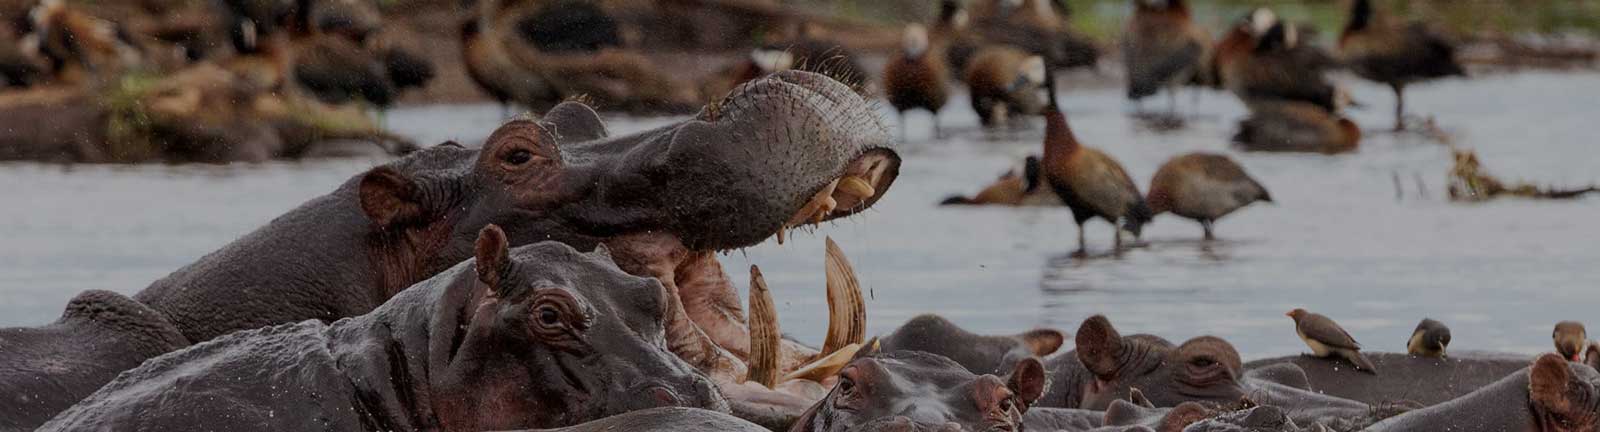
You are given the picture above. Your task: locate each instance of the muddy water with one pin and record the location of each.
(1338, 241)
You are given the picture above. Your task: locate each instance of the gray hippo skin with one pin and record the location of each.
(103, 319)
(728, 178)
(669, 419)
(539, 336)
(915, 391)
(978, 353)
(1552, 395)
(1106, 367)
(1423, 380)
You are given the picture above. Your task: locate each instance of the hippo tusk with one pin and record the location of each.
(847, 312)
(764, 340)
(826, 366)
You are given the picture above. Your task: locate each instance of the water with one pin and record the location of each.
(1337, 242)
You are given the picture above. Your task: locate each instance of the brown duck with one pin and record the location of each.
(1204, 187)
(917, 78)
(1378, 48)
(1089, 182)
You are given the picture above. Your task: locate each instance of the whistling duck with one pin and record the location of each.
(1034, 26)
(1089, 182)
(570, 26)
(20, 62)
(916, 79)
(78, 46)
(1013, 189)
(1004, 80)
(1163, 48)
(1204, 187)
(493, 69)
(1379, 49)
(1296, 127)
(1262, 60)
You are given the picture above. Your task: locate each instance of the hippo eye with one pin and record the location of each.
(518, 157)
(1202, 362)
(549, 316)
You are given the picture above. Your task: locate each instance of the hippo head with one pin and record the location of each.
(543, 336)
(1264, 418)
(910, 391)
(1563, 395)
(1205, 368)
(789, 150)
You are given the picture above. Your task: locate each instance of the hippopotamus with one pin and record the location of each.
(1551, 395)
(1257, 419)
(1106, 367)
(917, 391)
(788, 150)
(667, 419)
(978, 353)
(538, 336)
(1422, 380)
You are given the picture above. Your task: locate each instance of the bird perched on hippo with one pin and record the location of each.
(538, 336)
(664, 200)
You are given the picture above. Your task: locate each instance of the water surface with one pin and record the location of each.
(1337, 241)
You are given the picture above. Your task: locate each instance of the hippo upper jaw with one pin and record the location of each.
(788, 150)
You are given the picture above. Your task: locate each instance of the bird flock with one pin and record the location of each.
(1264, 60)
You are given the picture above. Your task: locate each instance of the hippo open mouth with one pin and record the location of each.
(781, 153)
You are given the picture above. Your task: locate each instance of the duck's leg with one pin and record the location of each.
(1206, 225)
(1399, 106)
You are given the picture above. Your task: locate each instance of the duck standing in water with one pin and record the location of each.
(1380, 49)
(1163, 48)
(1004, 80)
(917, 78)
(1089, 182)
(1204, 187)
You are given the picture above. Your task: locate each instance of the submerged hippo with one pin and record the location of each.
(1552, 395)
(669, 419)
(978, 353)
(1423, 380)
(1107, 367)
(787, 150)
(539, 336)
(916, 391)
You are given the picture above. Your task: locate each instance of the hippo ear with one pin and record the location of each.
(1043, 342)
(1027, 380)
(1548, 382)
(491, 254)
(1183, 415)
(868, 349)
(389, 198)
(1591, 355)
(1100, 347)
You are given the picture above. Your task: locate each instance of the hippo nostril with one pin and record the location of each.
(664, 397)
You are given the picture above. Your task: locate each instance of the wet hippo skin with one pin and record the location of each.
(1552, 395)
(670, 419)
(539, 336)
(563, 179)
(909, 391)
(1424, 380)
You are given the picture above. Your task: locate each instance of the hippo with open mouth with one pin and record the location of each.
(784, 151)
(539, 336)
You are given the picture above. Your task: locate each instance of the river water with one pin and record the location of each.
(1338, 241)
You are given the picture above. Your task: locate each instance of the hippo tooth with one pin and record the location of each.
(765, 346)
(847, 313)
(826, 206)
(826, 366)
(856, 186)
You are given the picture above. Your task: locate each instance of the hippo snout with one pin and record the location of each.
(692, 391)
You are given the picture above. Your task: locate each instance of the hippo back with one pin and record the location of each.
(665, 419)
(1424, 380)
(46, 369)
(275, 378)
